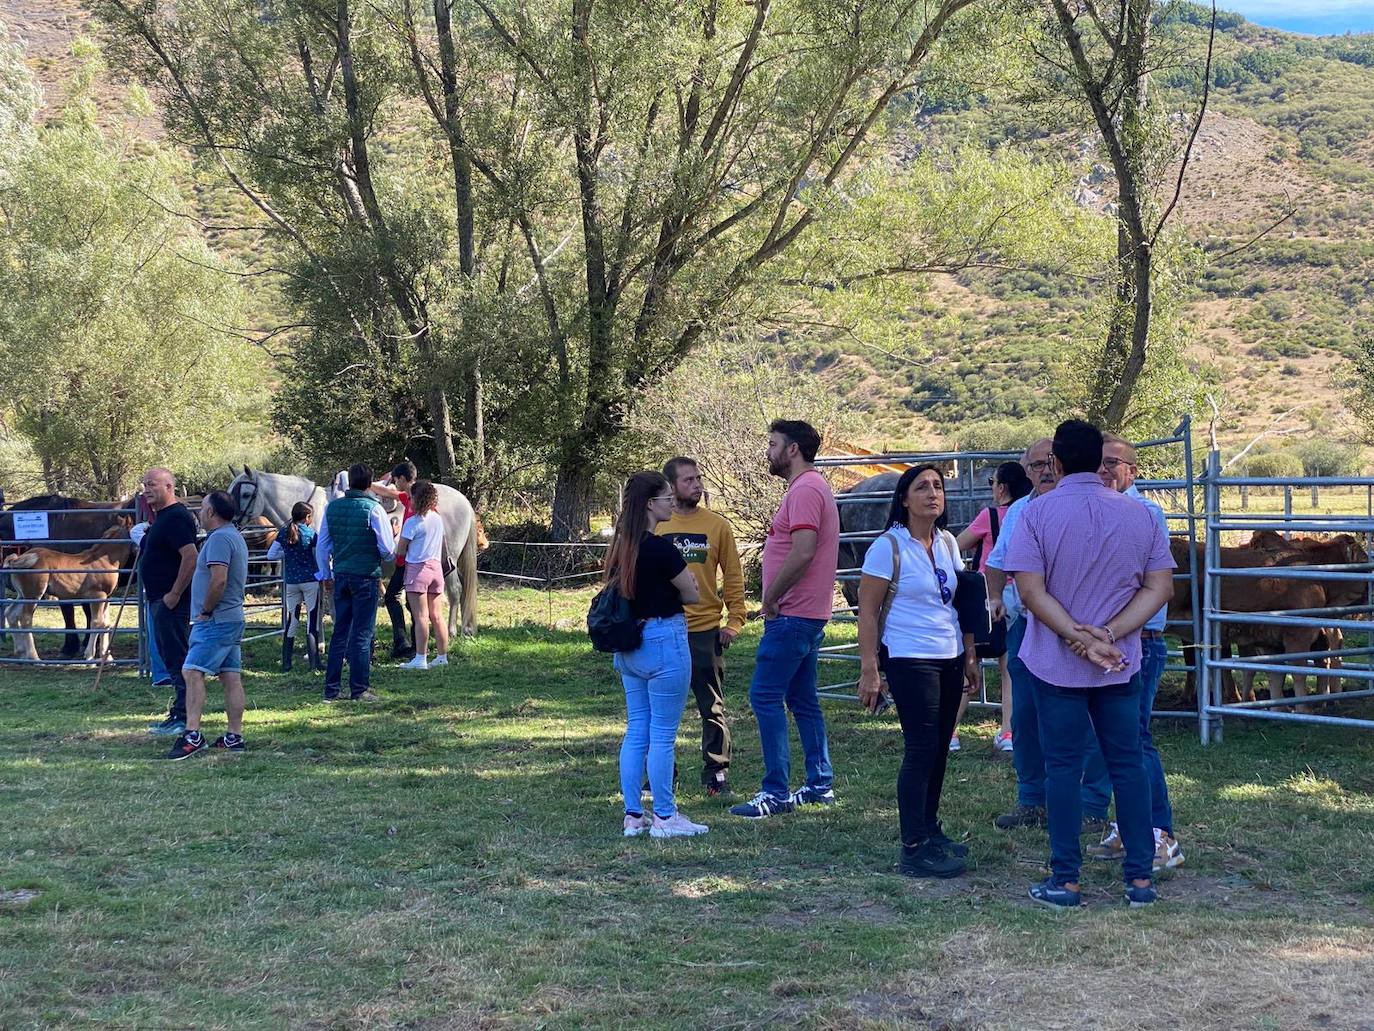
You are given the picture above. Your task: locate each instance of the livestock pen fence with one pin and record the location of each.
(127, 613)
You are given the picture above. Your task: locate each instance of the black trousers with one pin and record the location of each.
(394, 600)
(927, 693)
(172, 631)
(708, 685)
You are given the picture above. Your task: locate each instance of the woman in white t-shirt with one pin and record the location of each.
(422, 546)
(928, 661)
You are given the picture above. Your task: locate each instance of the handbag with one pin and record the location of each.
(970, 596)
(611, 622)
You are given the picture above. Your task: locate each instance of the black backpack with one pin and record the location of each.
(611, 622)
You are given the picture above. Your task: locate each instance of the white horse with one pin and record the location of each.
(272, 494)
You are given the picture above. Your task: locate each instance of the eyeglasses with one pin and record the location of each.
(1037, 467)
(1112, 463)
(945, 593)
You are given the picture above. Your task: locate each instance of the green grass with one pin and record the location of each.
(452, 858)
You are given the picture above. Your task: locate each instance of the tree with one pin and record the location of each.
(112, 310)
(615, 181)
(1109, 52)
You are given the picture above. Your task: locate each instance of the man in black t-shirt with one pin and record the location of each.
(166, 563)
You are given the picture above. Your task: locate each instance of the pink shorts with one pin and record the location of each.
(424, 577)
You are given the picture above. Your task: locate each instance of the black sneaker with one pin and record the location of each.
(811, 796)
(1021, 816)
(228, 743)
(402, 654)
(169, 727)
(951, 847)
(930, 860)
(717, 785)
(761, 806)
(1095, 825)
(187, 746)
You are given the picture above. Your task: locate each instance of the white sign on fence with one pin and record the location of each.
(30, 526)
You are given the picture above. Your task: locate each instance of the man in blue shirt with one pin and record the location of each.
(1118, 471)
(1027, 756)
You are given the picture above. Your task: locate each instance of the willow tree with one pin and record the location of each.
(553, 200)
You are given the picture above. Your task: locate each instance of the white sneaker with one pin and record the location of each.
(676, 826)
(637, 825)
(954, 745)
(416, 663)
(1002, 742)
(439, 660)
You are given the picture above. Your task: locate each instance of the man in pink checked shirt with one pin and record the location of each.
(1092, 566)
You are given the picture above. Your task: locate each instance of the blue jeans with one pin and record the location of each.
(1028, 757)
(785, 674)
(215, 647)
(1154, 657)
(656, 676)
(355, 615)
(155, 666)
(1112, 713)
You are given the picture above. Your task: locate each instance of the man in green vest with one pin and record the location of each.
(355, 538)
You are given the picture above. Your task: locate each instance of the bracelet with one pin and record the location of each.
(1111, 635)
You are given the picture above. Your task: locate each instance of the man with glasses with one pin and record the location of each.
(1028, 757)
(800, 556)
(1118, 471)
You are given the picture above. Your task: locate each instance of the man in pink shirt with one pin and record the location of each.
(1092, 566)
(800, 556)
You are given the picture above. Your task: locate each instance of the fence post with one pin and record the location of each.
(1209, 686)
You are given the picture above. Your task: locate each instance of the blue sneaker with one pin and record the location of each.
(1047, 893)
(811, 796)
(762, 806)
(170, 727)
(1138, 898)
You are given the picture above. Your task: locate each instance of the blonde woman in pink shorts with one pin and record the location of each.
(422, 545)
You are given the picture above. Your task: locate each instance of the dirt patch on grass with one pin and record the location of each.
(1120, 973)
(874, 914)
(17, 898)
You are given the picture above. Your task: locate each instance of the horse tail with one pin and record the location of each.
(467, 571)
(24, 561)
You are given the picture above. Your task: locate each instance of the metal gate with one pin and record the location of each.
(1227, 512)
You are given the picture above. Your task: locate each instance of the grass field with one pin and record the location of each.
(452, 858)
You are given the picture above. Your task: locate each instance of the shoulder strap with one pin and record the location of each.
(891, 584)
(994, 522)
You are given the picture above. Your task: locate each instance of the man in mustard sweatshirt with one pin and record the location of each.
(707, 545)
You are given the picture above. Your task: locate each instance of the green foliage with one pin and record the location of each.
(1002, 434)
(113, 312)
(1276, 463)
(1326, 457)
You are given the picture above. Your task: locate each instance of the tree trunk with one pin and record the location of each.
(572, 498)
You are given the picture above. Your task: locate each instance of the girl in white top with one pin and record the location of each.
(422, 546)
(928, 661)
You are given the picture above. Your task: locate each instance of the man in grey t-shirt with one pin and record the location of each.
(217, 619)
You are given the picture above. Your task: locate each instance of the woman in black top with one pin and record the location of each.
(649, 572)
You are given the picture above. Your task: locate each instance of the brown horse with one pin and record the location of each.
(90, 575)
(69, 519)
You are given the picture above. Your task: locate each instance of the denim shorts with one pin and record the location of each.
(214, 647)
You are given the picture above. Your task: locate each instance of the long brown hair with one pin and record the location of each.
(300, 513)
(622, 556)
(423, 497)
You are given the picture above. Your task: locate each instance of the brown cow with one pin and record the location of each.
(89, 575)
(1249, 594)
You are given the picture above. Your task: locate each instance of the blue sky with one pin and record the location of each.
(1315, 17)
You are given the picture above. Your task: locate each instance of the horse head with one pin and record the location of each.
(246, 494)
